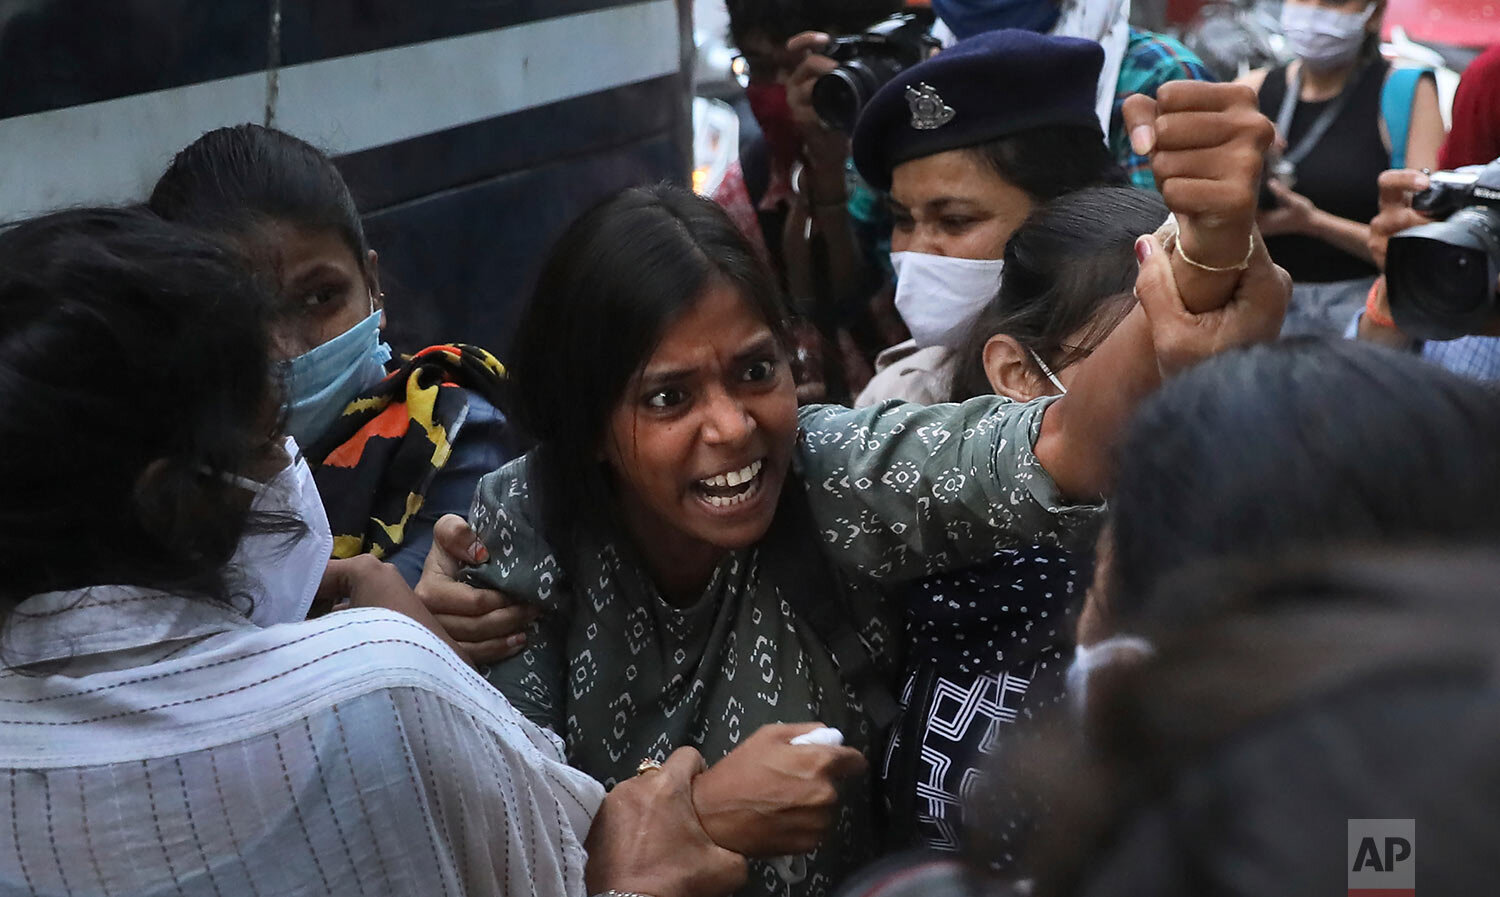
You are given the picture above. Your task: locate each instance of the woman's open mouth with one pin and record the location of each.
(727, 490)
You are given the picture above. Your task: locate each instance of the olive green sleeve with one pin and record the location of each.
(900, 491)
(533, 680)
(523, 565)
(508, 522)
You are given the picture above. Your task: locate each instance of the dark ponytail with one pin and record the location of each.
(232, 180)
(1069, 268)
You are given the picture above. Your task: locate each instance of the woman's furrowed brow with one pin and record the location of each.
(665, 374)
(759, 346)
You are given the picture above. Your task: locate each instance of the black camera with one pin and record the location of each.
(868, 61)
(1441, 277)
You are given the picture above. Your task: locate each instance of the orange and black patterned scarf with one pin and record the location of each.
(374, 466)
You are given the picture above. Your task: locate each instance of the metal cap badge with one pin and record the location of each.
(928, 111)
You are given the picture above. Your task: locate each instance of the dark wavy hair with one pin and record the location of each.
(1307, 445)
(1285, 698)
(1069, 268)
(232, 180)
(607, 292)
(134, 386)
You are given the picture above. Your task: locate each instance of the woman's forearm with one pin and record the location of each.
(1218, 289)
(1371, 331)
(1350, 236)
(1079, 432)
(845, 269)
(1076, 445)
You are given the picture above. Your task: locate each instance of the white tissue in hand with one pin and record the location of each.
(793, 869)
(825, 735)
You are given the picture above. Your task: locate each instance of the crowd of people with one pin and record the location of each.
(1035, 494)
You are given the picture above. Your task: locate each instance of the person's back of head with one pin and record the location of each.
(134, 389)
(1069, 272)
(1301, 447)
(1235, 760)
(235, 180)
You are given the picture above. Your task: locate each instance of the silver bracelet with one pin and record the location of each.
(613, 893)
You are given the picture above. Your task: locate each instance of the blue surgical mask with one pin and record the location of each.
(321, 382)
(966, 18)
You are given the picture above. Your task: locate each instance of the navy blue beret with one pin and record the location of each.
(977, 90)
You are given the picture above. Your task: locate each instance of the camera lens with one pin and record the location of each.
(839, 96)
(1441, 276)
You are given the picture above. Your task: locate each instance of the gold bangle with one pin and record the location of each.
(1245, 263)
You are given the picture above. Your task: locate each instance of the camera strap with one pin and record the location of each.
(1320, 126)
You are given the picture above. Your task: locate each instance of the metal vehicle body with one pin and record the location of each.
(470, 133)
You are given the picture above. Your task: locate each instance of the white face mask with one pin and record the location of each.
(1088, 658)
(1061, 390)
(282, 574)
(1324, 38)
(939, 297)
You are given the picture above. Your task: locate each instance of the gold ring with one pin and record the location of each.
(647, 765)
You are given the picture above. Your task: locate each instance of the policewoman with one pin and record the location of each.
(967, 144)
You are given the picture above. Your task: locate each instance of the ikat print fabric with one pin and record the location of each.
(896, 491)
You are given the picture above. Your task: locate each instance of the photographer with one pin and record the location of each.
(1476, 356)
(796, 174)
(1344, 115)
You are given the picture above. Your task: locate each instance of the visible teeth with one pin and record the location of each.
(720, 501)
(734, 478)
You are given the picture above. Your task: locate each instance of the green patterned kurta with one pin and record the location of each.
(897, 492)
